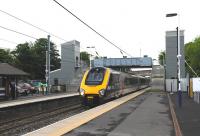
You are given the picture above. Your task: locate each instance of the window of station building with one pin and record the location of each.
(1, 82)
(55, 81)
(2, 86)
(77, 63)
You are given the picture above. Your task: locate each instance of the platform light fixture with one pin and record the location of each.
(178, 56)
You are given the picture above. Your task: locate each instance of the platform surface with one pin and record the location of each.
(188, 115)
(147, 115)
(39, 98)
(73, 122)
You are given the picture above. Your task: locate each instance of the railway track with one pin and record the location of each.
(26, 124)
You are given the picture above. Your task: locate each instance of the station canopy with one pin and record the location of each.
(8, 70)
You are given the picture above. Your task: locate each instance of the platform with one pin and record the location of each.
(188, 115)
(34, 99)
(147, 115)
(68, 124)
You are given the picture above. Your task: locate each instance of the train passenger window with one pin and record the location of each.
(127, 81)
(135, 81)
(115, 78)
(114, 81)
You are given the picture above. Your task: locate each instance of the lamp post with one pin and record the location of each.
(178, 56)
(164, 67)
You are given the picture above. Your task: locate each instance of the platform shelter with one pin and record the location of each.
(9, 73)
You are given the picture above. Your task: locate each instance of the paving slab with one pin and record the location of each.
(188, 115)
(146, 115)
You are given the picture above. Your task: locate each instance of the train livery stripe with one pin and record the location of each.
(66, 125)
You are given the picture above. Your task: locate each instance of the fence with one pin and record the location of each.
(192, 86)
(65, 88)
(172, 85)
(196, 89)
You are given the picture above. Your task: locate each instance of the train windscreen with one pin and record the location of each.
(95, 76)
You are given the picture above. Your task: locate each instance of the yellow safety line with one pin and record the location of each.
(66, 125)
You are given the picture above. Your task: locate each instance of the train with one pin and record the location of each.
(100, 84)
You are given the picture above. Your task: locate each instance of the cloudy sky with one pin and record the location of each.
(133, 25)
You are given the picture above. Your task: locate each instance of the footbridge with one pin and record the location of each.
(123, 64)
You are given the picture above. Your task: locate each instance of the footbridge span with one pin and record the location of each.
(123, 64)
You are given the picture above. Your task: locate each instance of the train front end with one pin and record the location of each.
(93, 85)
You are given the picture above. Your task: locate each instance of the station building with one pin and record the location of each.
(70, 71)
(171, 62)
(171, 55)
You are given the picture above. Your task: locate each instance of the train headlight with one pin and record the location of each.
(82, 92)
(102, 92)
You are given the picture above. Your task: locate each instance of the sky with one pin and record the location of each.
(136, 26)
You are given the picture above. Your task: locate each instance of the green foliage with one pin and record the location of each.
(31, 57)
(161, 58)
(23, 55)
(6, 56)
(192, 56)
(85, 57)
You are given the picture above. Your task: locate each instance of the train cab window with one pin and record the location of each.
(95, 76)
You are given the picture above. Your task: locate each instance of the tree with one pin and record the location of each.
(85, 57)
(192, 55)
(6, 56)
(24, 57)
(161, 58)
(39, 50)
(31, 57)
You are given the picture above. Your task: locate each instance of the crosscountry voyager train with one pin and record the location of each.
(99, 84)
